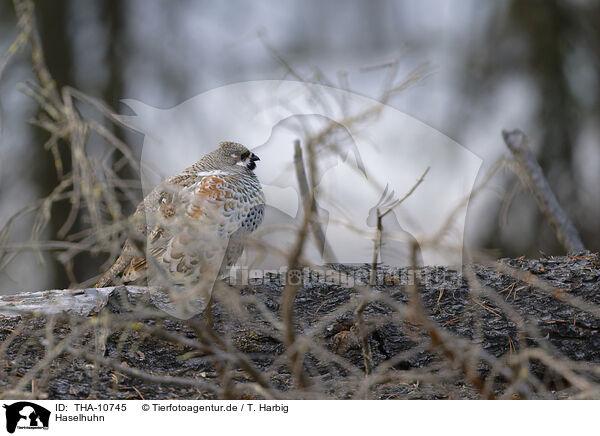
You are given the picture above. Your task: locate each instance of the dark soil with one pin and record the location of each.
(571, 334)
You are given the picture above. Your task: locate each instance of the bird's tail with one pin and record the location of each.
(116, 269)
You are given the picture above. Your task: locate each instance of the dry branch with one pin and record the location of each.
(531, 173)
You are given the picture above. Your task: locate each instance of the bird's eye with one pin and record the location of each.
(245, 155)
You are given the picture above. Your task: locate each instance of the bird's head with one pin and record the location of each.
(232, 153)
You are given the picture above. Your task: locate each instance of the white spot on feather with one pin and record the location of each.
(212, 173)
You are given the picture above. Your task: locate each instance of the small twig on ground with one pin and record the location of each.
(547, 288)
(140, 374)
(362, 333)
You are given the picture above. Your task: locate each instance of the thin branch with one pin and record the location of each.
(532, 174)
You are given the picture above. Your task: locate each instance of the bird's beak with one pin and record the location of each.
(254, 157)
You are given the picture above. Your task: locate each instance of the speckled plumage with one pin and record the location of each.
(194, 223)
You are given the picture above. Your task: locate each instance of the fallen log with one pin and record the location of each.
(500, 322)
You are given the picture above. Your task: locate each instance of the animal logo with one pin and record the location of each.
(392, 149)
(24, 414)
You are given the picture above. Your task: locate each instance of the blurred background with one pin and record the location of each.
(528, 64)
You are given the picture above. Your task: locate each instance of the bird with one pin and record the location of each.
(193, 226)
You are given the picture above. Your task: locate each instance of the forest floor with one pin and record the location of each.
(572, 334)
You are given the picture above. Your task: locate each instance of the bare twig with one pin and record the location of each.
(531, 173)
(292, 286)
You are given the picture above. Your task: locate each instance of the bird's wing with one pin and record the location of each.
(235, 246)
(198, 226)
